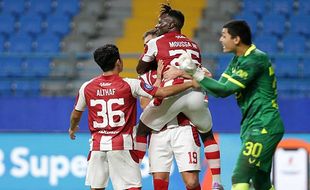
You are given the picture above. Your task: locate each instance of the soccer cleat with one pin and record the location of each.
(217, 186)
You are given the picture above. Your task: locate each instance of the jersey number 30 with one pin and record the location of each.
(108, 114)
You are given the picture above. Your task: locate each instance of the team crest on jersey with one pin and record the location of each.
(148, 87)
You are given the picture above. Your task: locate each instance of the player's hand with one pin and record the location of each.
(207, 72)
(172, 73)
(72, 132)
(195, 84)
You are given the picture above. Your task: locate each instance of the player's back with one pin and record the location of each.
(111, 110)
(171, 45)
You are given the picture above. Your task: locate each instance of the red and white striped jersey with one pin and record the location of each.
(181, 120)
(111, 102)
(168, 47)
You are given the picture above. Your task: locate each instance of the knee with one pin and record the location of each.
(191, 183)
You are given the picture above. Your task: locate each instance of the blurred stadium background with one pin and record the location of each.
(46, 54)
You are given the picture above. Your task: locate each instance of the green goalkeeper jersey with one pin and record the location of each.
(254, 81)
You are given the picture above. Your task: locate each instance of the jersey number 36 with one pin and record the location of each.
(108, 114)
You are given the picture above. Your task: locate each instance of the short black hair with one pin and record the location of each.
(175, 14)
(106, 57)
(239, 28)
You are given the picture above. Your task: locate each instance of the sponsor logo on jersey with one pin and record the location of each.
(148, 87)
(241, 73)
(102, 84)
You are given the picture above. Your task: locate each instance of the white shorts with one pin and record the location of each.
(118, 165)
(178, 142)
(191, 103)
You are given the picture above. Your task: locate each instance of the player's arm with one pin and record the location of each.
(163, 92)
(166, 91)
(147, 60)
(74, 122)
(174, 72)
(145, 101)
(220, 89)
(143, 67)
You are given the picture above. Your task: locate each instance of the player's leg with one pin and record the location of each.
(243, 170)
(261, 179)
(191, 103)
(200, 115)
(154, 117)
(160, 158)
(157, 116)
(196, 109)
(255, 155)
(212, 155)
(141, 140)
(191, 180)
(97, 174)
(186, 148)
(124, 170)
(161, 180)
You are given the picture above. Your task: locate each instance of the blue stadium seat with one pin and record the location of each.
(293, 44)
(267, 43)
(37, 67)
(7, 25)
(16, 7)
(274, 24)
(58, 24)
(300, 24)
(285, 7)
(287, 66)
(306, 67)
(47, 43)
(257, 7)
(31, 24)
(26, 88)
(20, 43)
(286, 86)
(42, 7)
(250, 18)
(11, 67)
(68, 7)
(293, 87)
(304, 7)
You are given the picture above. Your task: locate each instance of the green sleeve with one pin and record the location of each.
(219, 89)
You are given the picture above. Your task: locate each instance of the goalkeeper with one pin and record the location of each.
(251, 78)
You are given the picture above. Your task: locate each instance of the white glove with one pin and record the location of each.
(187, 64)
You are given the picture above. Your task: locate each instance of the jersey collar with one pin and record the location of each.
(248, 51)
